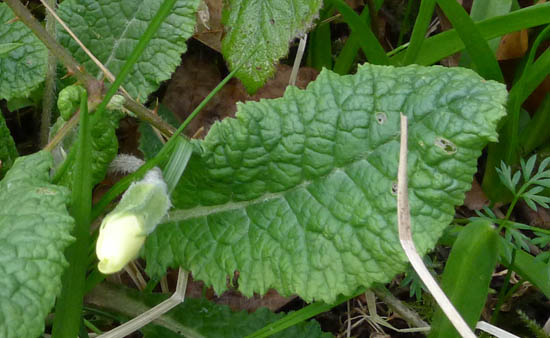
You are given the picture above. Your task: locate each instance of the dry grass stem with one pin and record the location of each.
(493, 330)
(406, 239)
(154, 313)
(98, 63)
(298, 60)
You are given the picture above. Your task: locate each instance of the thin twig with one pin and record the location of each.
(348, 330)
(298, 60)
(403, 310)
(48, 97)
(154, 313)
(406, 240)
(494, 331)
(60, 135)
(98, 63)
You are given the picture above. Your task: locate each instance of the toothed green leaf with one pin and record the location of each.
(298, 193)
(34, 231)
(111, 29)
(269, 26)
(22, 57)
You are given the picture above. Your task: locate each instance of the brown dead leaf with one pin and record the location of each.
(476, 198)
(209, 28)
(539, 218)
(513, 45)
(235, 300)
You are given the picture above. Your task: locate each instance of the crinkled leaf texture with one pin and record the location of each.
(8, 151)
(269, 26)
(34, 231)
(23, 68)
(298, 193)
(111, 29)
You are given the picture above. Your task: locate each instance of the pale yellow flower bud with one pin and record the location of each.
(120, 239)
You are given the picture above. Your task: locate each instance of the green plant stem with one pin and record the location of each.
(69, 304)
(124, 183)
(502, 293)
(92, 327)
(49, 83)
(419, 31)
(94, 86)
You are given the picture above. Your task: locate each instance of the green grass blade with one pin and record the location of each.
(507, 149)
(485, 9)
(369, 43)
(177, 163)
(406, 23)
(467, 276)
(320, 44)
(447, 43)
(476, 45)
(537, 273)
(419, 31)
(347, 55)
(297, 317)
(69, 304)
(536, 133)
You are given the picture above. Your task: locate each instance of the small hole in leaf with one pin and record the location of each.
(447, 146)
(394, 188)
(381, 117)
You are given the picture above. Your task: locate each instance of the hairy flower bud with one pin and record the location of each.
(123, 230)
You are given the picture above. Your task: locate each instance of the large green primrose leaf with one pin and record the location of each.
(298, 193)
(111, 29)
(34, 231)
(8, 151)
(269, 26)
(22, 57)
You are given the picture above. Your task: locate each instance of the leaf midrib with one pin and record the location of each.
(119, 38)
(180, 215)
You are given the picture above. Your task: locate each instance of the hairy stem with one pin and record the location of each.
(69, 305)
(49, 84)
